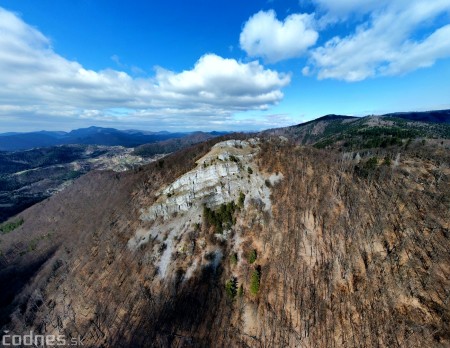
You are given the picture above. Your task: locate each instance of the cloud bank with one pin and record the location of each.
(36, 82)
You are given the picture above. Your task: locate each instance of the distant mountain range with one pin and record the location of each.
(88, 136)
(351, 133)
(437, 116)
(174, 144)
(14, 141)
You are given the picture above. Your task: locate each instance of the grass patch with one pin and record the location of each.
(32, 246)
(241, 199)
(231, 288)
(234, 259)
(255, 281)
(7, 227)
(252, 256)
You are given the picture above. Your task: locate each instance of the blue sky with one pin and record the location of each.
(184, 65)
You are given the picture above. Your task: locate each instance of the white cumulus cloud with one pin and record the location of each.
(387, 44)
(37, 84)
(224, 82)
(263, 35)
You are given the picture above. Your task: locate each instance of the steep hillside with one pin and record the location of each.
(353, 133)
(252, 242)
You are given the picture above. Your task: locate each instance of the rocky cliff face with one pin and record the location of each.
(221, 176)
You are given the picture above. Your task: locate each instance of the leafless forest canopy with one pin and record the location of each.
(354, 253)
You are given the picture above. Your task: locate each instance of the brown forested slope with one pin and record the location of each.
(358, 260)
(354, 253)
